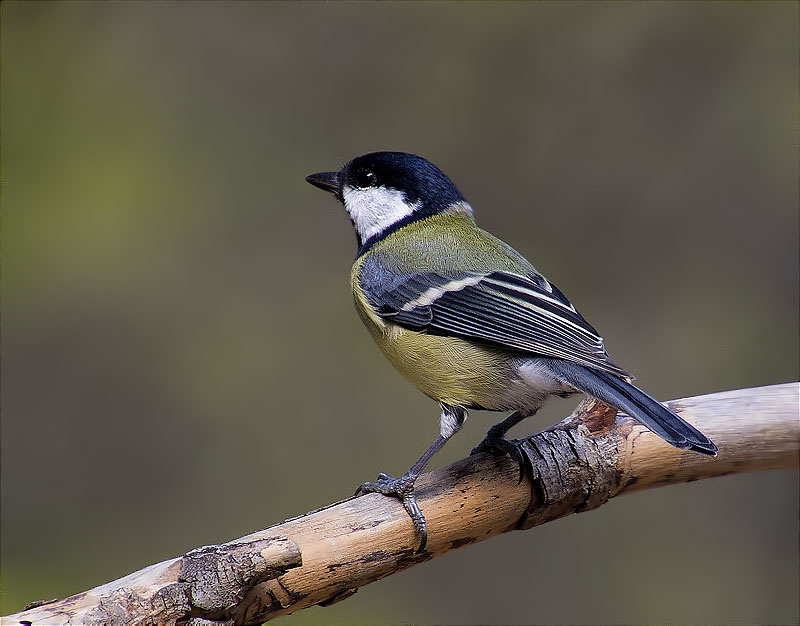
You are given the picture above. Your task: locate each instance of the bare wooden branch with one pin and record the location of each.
(326, 555)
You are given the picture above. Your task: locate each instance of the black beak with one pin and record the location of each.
(327, 181)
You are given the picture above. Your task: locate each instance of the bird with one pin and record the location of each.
(467, 319)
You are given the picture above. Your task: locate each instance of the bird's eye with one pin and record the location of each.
(365, 178)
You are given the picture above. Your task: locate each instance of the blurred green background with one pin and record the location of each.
(182, 363)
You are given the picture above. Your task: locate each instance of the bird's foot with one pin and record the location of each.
(403, 489)
(498, 445)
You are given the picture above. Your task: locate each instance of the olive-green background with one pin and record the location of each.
(181, 359)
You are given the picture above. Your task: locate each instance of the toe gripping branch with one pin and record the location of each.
(403, 489)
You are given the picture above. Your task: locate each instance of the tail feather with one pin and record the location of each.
(620, 394)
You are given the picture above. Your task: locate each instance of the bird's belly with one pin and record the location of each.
(455, 371)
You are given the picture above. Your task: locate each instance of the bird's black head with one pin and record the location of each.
(383, 191)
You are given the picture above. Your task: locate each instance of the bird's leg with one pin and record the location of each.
(496, 443)
(451, 420)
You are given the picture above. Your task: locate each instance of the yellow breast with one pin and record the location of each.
(448, 369)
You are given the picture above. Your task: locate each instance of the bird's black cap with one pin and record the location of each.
(419, 179)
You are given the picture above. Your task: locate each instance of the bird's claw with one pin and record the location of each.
(403, 489)
(497, 445)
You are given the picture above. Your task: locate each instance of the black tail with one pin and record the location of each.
(620, 394)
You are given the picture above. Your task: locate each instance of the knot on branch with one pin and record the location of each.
(220, 578)
(574, 469)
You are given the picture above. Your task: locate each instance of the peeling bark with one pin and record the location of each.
(208, 585)
(323, 557)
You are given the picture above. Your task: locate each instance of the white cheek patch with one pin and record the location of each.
(375, 209)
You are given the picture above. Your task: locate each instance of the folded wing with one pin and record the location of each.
(525, 313)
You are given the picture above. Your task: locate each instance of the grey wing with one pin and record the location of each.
(524, 313)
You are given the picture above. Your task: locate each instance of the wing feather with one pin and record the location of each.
(523, 313)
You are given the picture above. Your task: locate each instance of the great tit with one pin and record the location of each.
(466, 318)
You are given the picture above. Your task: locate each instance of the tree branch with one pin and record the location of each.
(326, 555)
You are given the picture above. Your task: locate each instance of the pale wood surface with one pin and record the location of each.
(324, 556)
